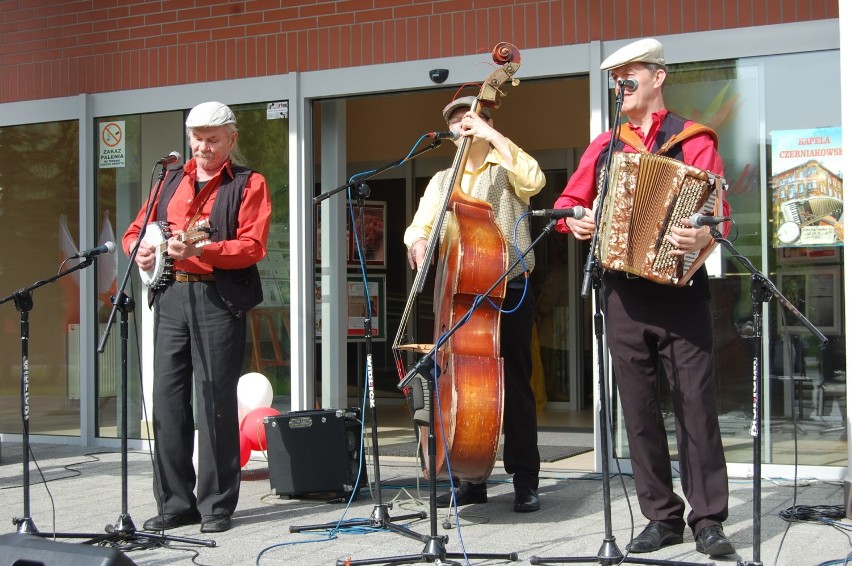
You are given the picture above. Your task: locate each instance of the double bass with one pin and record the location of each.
(472, 259)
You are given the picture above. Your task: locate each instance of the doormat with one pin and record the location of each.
(548, 453)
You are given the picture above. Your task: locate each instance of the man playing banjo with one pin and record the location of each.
(200, 317)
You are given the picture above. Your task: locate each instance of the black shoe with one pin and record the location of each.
(215, 523)
(466, 493)
(526, 500)
(168, 521)
(713, 542)
(655, 536)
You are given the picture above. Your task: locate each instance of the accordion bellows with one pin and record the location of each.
(648, 194)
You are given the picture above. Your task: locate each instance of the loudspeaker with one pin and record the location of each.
(315, 452)
(29, 550)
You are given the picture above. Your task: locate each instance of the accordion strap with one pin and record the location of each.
(632, 139)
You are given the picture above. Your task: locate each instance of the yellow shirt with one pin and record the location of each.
(525, 178)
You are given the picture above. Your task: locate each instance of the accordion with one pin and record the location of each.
(648, 195)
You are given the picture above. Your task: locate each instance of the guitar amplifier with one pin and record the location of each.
(315, 451)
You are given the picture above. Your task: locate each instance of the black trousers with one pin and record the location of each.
(520, 427)
(197, 340)
(649, 326)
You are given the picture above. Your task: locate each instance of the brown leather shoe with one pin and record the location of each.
(655, 536)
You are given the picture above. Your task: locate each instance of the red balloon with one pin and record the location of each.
(245, 450)
(253, 428)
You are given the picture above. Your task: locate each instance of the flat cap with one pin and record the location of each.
(646, 50)
(467, 102)
(210, 115)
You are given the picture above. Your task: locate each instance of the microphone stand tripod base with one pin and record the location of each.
(379, 519)
(124, 525)
(25, 526)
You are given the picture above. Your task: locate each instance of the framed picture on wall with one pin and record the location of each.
(373, 238)
(356, 309)
(815, 292)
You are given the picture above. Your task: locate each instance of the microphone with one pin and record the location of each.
(558, 213)
(444, 135)
(105, 248)
(628, 85)
(698, 220)
(173, 157)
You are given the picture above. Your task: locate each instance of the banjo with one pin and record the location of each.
(157, 234)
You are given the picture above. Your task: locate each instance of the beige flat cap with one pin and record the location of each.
(210, 114)
(647, 50)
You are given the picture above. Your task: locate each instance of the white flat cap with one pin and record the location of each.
(467, 102)
(209, 115)
(647, 50)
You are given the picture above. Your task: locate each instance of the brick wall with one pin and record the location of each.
(53, 48)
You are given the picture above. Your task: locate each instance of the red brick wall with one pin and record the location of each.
(53, 48)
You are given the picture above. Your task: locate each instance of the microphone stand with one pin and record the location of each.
(762, 291)
(124, 530)
(609, 553)
(435, 550)
(24, 304)
(380, 517)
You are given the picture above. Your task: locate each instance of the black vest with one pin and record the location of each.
(239, 288)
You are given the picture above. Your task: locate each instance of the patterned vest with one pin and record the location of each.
(493, 186)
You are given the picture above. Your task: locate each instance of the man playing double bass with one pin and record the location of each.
(499, 172)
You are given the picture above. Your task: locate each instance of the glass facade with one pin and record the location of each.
(39, 203)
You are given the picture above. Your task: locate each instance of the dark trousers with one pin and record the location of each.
(643, 335)
(196, 340)
(520, 428)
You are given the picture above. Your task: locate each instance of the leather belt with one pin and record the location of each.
(184, 277)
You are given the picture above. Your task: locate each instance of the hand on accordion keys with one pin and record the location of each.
(688, 239)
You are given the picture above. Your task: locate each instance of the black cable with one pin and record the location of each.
(812, 513)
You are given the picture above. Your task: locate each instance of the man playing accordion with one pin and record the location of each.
(651, 325)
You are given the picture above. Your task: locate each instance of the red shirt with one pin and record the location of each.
(582, 188)
(253, 222)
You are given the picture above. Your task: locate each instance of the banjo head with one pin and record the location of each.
(155, 235)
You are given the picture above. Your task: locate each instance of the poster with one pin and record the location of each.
(807, 190)
(371, 239)
(357, 305)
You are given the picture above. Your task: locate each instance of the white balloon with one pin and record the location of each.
(253, 391)
(242, 409)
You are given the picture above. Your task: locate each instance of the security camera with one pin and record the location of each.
(439, 75)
